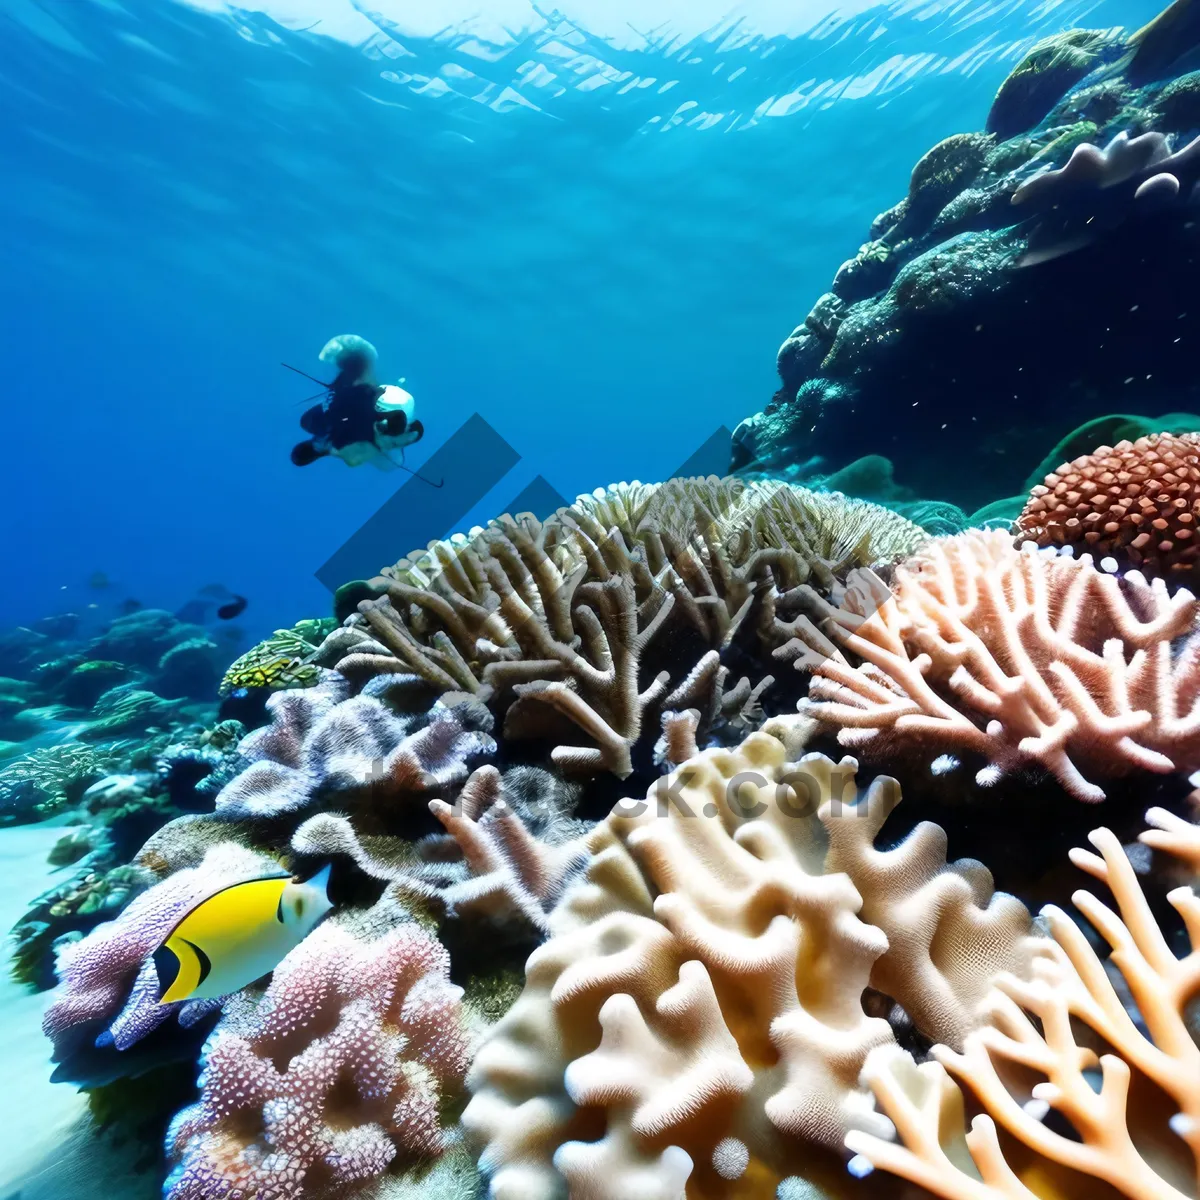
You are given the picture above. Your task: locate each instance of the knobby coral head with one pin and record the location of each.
(338, 1071)
(1136, 501)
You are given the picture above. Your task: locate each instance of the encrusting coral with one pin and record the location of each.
(338, 1071)
(573, 630)
(1139, 500)
(695, 1021)
(1017, 658)
(1109, 1049)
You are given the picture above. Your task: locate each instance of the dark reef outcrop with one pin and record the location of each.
(1034, 275)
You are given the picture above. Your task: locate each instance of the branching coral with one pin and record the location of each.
(571, 629)
(317, 1087)
(1110, 1050)
(696, 1017)
(509, 849)
(1021, 659)
(1139, 500)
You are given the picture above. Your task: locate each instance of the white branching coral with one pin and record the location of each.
(1022, 659)
(575, 629)
(1108, 1047)
(695, 1020)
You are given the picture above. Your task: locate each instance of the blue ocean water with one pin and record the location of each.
(592, 225)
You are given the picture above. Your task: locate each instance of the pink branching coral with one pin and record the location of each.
(490, 863)
(108, 979)
(1109, 1048)
(314, 1089)
(1019, 658)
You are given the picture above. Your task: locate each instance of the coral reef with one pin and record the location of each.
(1012, 658)
(510, 847)
(338, 1071)
(695, 1017)
(324, 748)
(1108, 1050)
(573, 631)
(1054, 220)
(109, 986)
(1138, 500)
(282, 661)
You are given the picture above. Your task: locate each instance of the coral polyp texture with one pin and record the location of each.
(332, 1076)
(1136, 500)
(109, 987)
(581, 630)
(694, 1025)
(325, 748)
(1012, 657)
(1108, 1049)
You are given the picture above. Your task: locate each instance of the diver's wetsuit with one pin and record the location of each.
(347, 417)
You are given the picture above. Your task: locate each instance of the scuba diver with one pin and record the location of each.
(359, 420)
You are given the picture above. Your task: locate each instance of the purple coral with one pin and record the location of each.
(108, 978)
(322, 746)
(316, 1087)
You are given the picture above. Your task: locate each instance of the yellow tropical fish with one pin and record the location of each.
(238, 935)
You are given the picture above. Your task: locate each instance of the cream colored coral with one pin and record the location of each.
(1015, 657)
(695, 1018)
(572, 628)
(1050, 1027)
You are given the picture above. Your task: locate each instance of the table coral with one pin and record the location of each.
(1139, 500)
(1110, 1050)
(695, 1020)
(571, 629)
(338, 1071)
(1020, 659)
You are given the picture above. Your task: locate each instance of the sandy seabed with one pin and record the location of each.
(48, 1149)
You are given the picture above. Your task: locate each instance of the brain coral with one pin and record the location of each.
(1110, 1053)
(579, 631)
(1018, 658)
(316, 1087)
(695, 1023)
(1138, 500)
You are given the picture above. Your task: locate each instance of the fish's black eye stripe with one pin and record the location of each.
(202, 959)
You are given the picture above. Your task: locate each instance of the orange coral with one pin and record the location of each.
(1139, 500)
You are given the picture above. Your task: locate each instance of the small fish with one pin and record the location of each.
(98, 581)
(239, 935)
(234, 608)
(130, 606)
